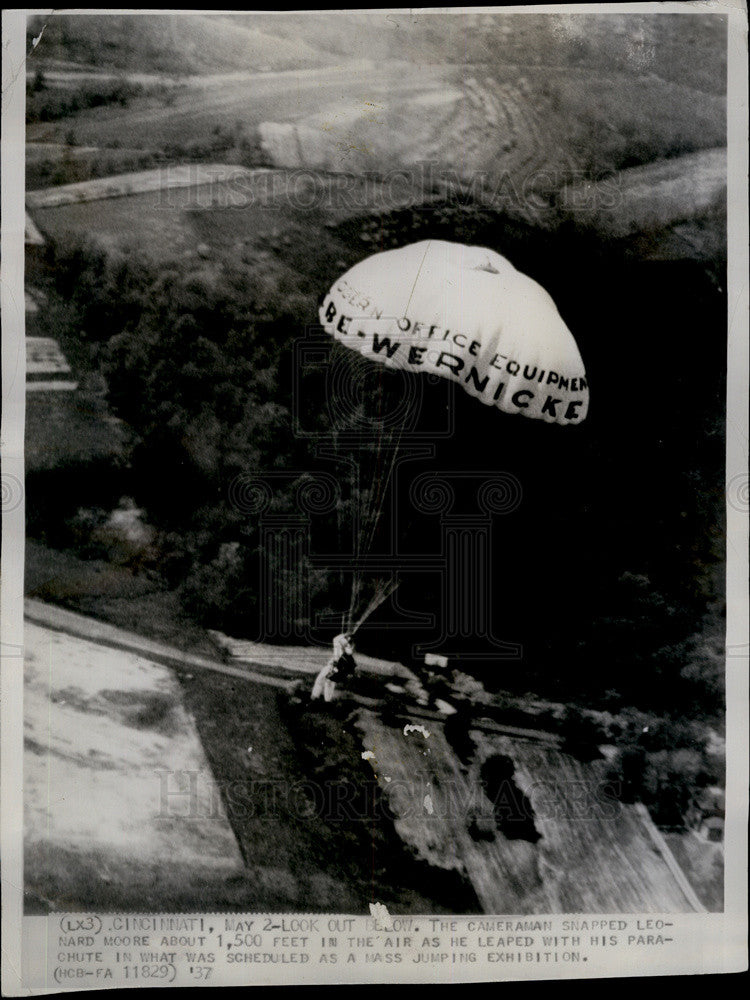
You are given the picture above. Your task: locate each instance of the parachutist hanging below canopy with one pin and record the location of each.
(462, 313)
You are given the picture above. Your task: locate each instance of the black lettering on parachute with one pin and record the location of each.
(450, 361)
(479, 384)
(516, 398)
(378, 345)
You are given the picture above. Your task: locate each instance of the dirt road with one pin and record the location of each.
(244, 98)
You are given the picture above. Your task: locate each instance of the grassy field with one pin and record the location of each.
(513, 119)
(56, 163)
(113, 594)
(503, 129)
(269, 220)
(513, 122)
(281, 797)
(200, 45)
(551, 100)
(567, 96)
(612, 120)
(97, 728)
(84, 431)
(134, 224)
(98, 882)
(240, 101)
(159, 43)
(646, 199)
(703, 863)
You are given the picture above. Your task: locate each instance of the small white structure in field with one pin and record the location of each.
(435, 660)
(46, 366)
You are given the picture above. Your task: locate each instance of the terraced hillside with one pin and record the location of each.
(532, 129)
(532, 100)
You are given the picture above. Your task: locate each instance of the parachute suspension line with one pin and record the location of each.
(379, 495)
(343, 455)
(358, 515)
(394, 448)
(340, 510)
(365, 510)
(368, 498)
(375, 493)
(340, 519)
(393, 443)
(356, 588)
(362, 512)
(383, 588)
(383, 592)
(386, 453)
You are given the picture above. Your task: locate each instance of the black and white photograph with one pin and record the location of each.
(378, 492)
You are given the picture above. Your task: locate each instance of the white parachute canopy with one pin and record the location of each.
(466, 314)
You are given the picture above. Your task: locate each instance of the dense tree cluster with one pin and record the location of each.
(49, 104)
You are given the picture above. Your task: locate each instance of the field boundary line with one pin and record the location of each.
(103, 634)
(669, 859)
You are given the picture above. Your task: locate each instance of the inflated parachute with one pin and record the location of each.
(466, 314)
(463, 313)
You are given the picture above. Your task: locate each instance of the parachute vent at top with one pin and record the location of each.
(466, 314)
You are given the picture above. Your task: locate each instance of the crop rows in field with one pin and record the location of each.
(556, 855)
